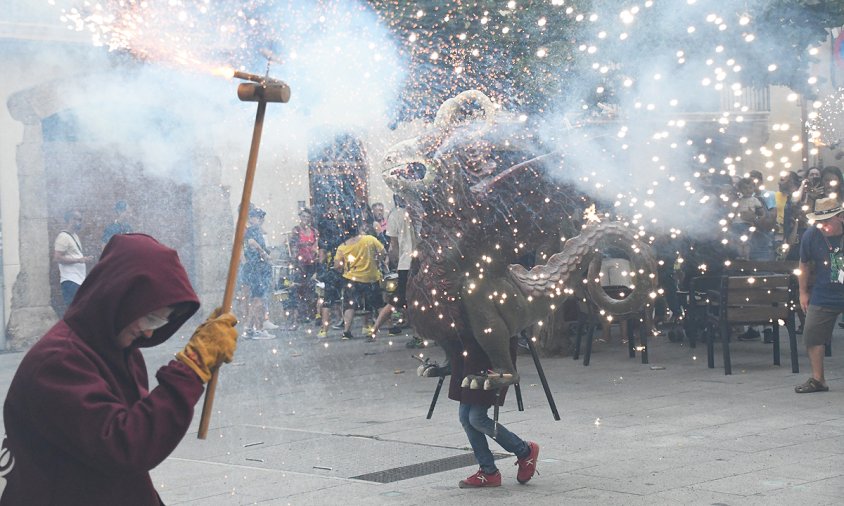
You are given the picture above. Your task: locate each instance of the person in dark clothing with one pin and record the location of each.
(120, 224)
(330, 236)
(82, 425)
(473, 415)
(786, 215)
(257, 273)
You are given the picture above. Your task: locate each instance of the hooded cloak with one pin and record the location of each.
(82, 426)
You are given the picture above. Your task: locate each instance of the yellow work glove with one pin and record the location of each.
(212, 343)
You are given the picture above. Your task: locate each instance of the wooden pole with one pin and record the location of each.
(237, 248)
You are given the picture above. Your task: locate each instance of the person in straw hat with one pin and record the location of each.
(822, 245)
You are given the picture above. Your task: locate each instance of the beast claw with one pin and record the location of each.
(431, 371)
(489, 380)
(499, 379)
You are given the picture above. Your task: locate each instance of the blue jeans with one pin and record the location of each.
(478, 425)
(69, 289)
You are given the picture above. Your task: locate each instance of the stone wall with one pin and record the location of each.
(31, 312)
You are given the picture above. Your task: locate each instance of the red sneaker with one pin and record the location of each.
(481, 479)
(527, 465)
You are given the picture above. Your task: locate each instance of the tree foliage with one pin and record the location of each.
(539, 54)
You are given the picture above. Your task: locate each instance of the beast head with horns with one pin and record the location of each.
(484, 208)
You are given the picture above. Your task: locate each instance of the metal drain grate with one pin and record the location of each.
(423, 468)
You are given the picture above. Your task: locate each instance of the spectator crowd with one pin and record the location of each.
(334, 267)
(344, 261)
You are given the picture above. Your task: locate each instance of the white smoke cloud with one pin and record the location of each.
(155, 98)
(645, 118)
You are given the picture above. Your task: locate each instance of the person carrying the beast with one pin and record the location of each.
(82, 425)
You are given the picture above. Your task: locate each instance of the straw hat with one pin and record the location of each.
(825, 209)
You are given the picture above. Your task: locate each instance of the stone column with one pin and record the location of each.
(31, 314)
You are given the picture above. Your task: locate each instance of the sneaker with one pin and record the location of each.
(268, 325)
(262, 334)
(247, 334)
(527, 465)
(338, 326)
(346, 336)
(322, 334)
(394, 331)
(750, 334)
(371, 339)
(481, 479)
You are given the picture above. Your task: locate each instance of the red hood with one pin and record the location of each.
(135, 275)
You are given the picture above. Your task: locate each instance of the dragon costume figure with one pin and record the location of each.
(483, 208)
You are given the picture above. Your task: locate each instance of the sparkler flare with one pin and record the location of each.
(336, 52)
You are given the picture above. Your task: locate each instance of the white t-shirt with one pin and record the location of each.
(68, 244)
(398, 226)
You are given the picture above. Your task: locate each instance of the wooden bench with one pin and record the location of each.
(778, 267)
(752, 267)
(751, 300)
(694, 300)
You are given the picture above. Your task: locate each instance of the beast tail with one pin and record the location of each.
(560, 277)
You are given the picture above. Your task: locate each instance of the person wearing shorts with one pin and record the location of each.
(331, 296)
(360, 259)
(823, 246)
(257, 272)
(362, 296)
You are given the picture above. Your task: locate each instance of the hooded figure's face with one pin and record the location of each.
(127, 301)
(143, 327)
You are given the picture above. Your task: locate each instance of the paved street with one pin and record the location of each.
(302, 421)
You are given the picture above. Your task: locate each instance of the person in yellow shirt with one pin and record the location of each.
(360, 259)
